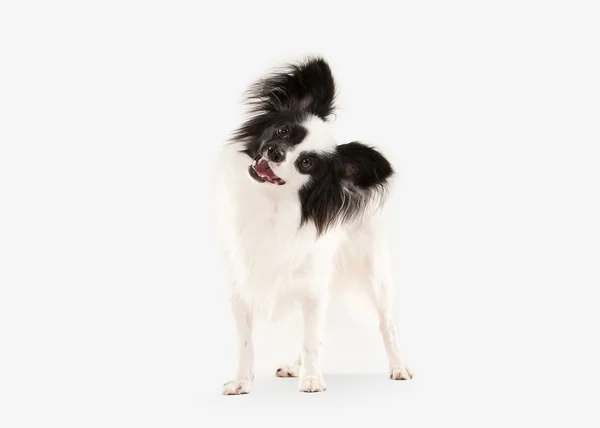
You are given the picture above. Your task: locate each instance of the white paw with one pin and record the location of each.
(312, 384)
(237, 387)
(291, 370)
(401, 373)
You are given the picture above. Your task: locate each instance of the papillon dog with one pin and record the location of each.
(299, 216)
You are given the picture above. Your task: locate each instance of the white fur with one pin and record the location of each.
(273, 263)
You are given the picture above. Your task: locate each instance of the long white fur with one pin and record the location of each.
(273, 263)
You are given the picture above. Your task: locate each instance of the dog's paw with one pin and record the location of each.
(237, 387)
(288, 371)
(312, 384)
(400, 373)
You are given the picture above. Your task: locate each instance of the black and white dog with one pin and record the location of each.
(300, 215)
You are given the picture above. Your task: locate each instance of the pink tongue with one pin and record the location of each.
(262, 168)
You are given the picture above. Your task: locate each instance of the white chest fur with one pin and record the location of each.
(270, 257)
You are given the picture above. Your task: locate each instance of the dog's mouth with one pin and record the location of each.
(261, 171)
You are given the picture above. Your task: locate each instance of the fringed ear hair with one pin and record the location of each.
(306, 87)
(364, 166)
(292, 92)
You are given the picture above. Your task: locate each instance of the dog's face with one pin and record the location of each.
(291, 152)
(290, 148)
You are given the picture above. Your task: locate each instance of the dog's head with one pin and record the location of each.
(287, 138)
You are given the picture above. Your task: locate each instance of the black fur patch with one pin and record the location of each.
(364, 166)
(343, 184)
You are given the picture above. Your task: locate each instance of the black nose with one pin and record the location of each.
(275, 154)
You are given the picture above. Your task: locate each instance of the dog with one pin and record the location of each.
(300, 215)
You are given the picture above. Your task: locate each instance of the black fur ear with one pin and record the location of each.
(364, 166)
(306, 87)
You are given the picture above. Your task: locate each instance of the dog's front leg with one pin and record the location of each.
(311, 377)
(245, 372)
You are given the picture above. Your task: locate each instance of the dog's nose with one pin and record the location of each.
(275, 154)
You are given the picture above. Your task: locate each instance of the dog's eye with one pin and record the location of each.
(306, 164)
(283, 131)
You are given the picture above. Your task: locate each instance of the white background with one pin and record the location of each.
(113, 310)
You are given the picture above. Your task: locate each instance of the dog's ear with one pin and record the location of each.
(363, 166)
(307, 86)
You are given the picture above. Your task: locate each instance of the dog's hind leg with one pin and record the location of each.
(387, 328)
(290, 370)
(383, 292)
